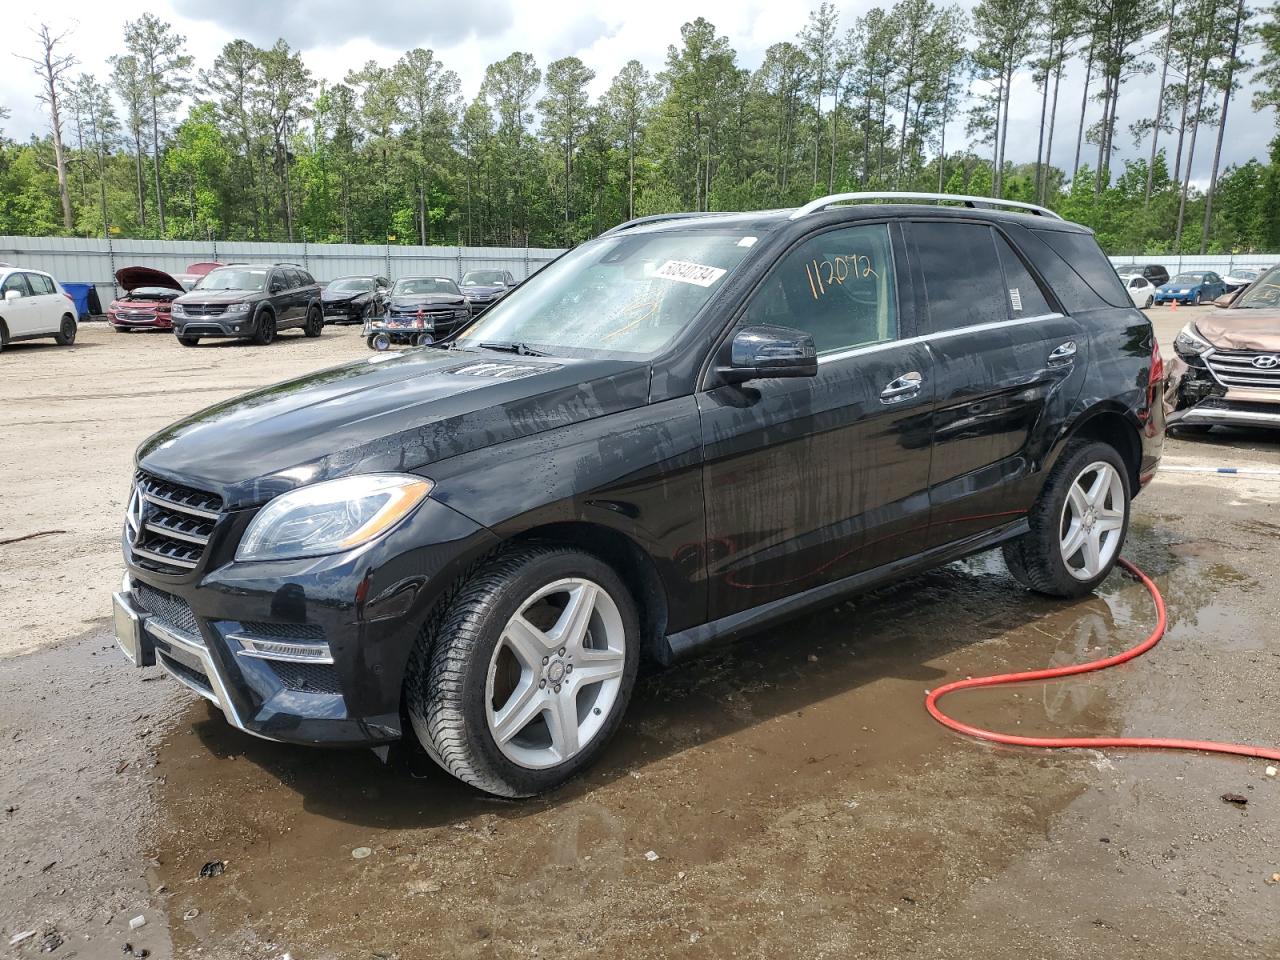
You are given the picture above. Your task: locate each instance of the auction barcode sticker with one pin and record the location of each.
(686, 272)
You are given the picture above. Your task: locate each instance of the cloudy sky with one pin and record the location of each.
(337, 35)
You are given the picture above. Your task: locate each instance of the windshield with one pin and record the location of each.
(1245, 274)
(628, 294)
(485, 277)
(1188, 278)
(418, 286)
(1263, 293)
(351, 285)
(233, 279)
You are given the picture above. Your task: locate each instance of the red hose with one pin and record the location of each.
(1160, 743)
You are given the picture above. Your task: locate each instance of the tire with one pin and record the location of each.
(423, 340)
(4, 335)
(379, 342)
(266, 331)
(1150, 302)
(66, 334)
(122, 329)
(189, 341)
(466, 658)
(314, 324)
(1040, 559)
(1199, 298)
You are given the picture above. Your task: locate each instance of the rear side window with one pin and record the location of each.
(305, 279)
(39, 283)
(1082, 253)
(962, 275)
(839, 287)
(1023, 295)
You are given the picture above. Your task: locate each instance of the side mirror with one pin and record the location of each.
(766, 353)
(11, 295)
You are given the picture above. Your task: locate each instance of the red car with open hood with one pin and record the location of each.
(149, 295)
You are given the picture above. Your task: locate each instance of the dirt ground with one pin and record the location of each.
(797, 797)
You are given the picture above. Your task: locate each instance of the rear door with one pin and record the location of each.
(1008, 366)
(22, 314)
(811, 480)
(49, 304)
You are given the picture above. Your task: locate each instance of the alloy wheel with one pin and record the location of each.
(555, 673)
(1092, 521)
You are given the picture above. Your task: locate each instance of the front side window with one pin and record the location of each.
(626, 295)
(838, 286)
(421, 286)
(962, 275)
(16, 283)
(234, 278)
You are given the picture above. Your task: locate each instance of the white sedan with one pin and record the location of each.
(1141, 290)
(34, 305)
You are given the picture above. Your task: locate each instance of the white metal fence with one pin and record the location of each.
(1221, 263)
(95, 260)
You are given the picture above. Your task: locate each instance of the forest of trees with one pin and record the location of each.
(252, 146)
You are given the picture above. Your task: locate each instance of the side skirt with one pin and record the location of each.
(696, 640)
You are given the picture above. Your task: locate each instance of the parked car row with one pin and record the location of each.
(1149, 284)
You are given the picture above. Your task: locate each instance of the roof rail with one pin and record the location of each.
(656, 218)
(977, 202)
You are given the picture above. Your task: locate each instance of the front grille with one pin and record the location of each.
(1235, 368)
(428, 314)
(303, 632)
(169, 525)
(169, 610)
(308, 677)
(204, 309)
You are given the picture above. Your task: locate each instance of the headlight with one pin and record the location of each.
(332, 516)
(234, 308)
(1189, 342)
(179, 310)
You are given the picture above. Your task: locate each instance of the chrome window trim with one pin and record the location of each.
(939, 335)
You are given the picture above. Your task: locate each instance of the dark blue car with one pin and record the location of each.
(1194, 287)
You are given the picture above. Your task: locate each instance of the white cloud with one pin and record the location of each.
(336, 36)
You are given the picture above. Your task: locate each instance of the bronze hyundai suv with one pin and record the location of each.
(1227, 364)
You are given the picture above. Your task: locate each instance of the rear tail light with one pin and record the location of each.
(1155, 382)
(68, 296)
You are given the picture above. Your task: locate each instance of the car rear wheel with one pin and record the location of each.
(524, 676)
(424, 340)
(266, 329)
(314, 324)
(1149, 303)
(379, 342)
(1078, 523)
(66, 334)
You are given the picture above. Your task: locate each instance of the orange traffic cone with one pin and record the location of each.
(1174, 304)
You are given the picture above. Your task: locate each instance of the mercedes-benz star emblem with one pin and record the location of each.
(1266, 361)
(135, 516)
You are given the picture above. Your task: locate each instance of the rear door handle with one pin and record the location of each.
(905, 386)
(1063, 352)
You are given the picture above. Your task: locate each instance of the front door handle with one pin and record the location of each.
(905, 386)
(1063, 352)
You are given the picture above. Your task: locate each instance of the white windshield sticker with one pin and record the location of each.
(747, 242)
(687, 272)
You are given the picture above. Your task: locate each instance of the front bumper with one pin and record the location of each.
(1194, 396)
(158, 321)
(238, 325)
(236, 632)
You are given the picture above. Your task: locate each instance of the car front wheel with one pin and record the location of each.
(525, 675)
(314, 324)
(266, 329)
(1077, 524)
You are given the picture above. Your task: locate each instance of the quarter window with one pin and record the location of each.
(962, 275)
(839, 287)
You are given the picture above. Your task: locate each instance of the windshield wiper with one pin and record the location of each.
(516, 347)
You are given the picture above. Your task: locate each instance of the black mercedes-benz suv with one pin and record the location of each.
(690, 428)
(249, 302)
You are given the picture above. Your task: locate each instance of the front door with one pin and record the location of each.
(811, 480)
(21, 314)
(1008, 367)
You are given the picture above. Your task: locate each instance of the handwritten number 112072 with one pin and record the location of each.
(823, 273)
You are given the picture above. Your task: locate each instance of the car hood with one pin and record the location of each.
(340, 296)
(426, 300)
(481, 290)
(133, 277)
(218, 296)
(1242, 329)
(1174, 285)
(387, 413)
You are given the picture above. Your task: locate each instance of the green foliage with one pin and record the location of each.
(252, 146)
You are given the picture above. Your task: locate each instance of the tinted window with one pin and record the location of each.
(962, 276)
(39, 283)
(15, 282)
(305, 279)
(1023, 293)
(1082, 253)
(838, 287)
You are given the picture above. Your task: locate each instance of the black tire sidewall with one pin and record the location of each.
(266, 331)
(314, 323)
(539, 571)
(66, 335)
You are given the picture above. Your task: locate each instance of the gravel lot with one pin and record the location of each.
(797, 797)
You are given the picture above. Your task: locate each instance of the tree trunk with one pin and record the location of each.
(1053, 117)
(1084, 106)
(1159, 111)
(1191, 152)
(1227, 86)
(137, 164)
(155, 162)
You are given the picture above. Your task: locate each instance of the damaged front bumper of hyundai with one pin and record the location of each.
(1216, 379)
